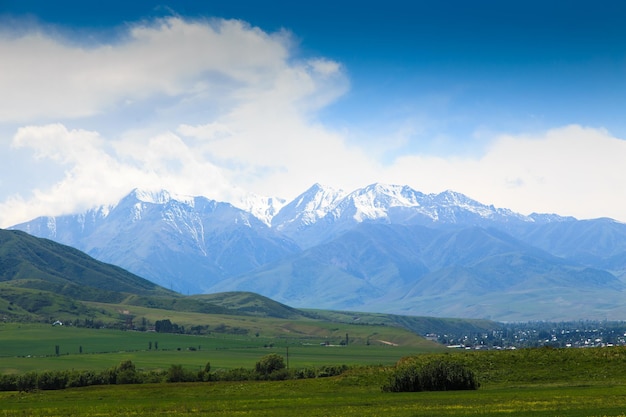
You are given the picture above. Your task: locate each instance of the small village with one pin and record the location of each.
(579, 334)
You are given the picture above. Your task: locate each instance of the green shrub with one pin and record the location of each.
(52, 380)
(8, 382)
(125, 373)
(437, 375)
(176, 373)
(27, 382)
(269, 364)
(331, 370)
(237, 374)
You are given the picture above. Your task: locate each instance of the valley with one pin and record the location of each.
(65, 324)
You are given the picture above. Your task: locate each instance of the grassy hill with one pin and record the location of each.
(33, 260)
(43, 281)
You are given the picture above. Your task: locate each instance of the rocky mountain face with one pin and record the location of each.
(385, 248)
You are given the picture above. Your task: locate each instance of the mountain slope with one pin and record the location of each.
(26, 257)
(600, 243)
(419, 270)
(183, 243)
(384, 247)
(40, 278)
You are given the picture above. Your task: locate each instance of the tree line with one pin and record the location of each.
(269, 367)
(408, 375)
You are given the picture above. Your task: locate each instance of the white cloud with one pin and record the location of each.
(49, 77)
(98, 171)
(571, 170)
(230, 108)
(248, 98)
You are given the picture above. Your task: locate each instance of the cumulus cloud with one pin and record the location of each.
(177, 98)
(45, 76)
(100, 172)
(218, 108)
(571, 170)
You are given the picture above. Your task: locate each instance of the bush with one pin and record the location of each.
(176, 373)
(331, 370)
(51, 380)
(8, 382)
(269, 364)
(27, 382)
(237, 374)
(438, 375)
(126, 373)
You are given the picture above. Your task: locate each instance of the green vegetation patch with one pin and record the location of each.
(313, 397)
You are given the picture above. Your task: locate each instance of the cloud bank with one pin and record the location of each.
(219, 108)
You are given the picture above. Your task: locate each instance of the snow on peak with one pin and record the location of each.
(308, 207)
(161, 196)
(263, 208)
(374, 201)
(318, 199)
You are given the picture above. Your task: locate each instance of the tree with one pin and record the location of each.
(176, 373)
(163, 326)
(269, 364)
(126, 373)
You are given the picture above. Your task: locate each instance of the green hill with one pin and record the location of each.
(33, 260)
(41, 280)
(249, 303)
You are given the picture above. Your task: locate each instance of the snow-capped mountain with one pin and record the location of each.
(263, 208)
(322, 213)
(383, 247)
(295, 218)
(180, 242)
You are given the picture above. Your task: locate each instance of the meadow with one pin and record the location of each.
(33, 347)
(525, 382)
(346, 395)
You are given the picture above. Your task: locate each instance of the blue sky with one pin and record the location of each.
(517, 104)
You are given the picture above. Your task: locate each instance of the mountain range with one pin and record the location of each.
(383, 248)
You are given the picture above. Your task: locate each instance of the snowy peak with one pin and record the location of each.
(307, 208)
(263, 208)
(318, 199)
(374, 201)
(159, 197)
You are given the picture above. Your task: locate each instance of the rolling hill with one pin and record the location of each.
(41, 280)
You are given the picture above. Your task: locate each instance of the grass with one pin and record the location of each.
(318, 397)
(527, 382)
(32, 347)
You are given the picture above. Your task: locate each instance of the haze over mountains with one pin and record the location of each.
(384, 248)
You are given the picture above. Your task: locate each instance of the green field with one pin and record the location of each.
(32, 347)
(526, 382)
(338, 396)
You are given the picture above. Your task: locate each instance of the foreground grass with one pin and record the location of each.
(338, 396)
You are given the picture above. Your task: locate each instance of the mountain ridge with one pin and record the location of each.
(374, 246)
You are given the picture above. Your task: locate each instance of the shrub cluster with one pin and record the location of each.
(270, 367)
(436, 375)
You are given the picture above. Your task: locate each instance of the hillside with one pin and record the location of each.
(44, 281)
(28, 259)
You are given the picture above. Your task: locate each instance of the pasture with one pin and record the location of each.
(527, 382)
(338, 396)
(33, 347)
